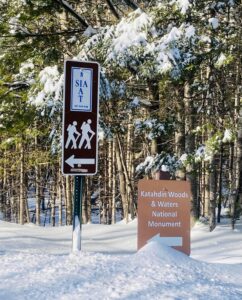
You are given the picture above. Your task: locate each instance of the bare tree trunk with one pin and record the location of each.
(68, 201)
(191, 175)
(231, 174)
(206, 192)
(237, 186)
(114, 183)
(122, 186)
(22, 186)
(37, 193)
(86, 201)
(26, 207)
(4, 185)
(154, 108)
(59, 195)
(110, 180)
(220, 184)
(180, 130)
(129, 188)
(63, 183)
(53, 194)
(180, 133)
(105, 188)
(89, 204)
(130, 164)
(12, 198)
(212, 190)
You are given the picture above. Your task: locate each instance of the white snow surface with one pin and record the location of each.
(37, 263)
(214, 22)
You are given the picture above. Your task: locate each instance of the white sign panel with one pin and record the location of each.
(81, 89)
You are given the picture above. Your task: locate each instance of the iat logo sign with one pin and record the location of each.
(80, 118)
(81, 89)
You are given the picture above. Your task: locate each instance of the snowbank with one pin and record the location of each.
(36, 263)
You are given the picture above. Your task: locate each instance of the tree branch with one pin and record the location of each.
(68, 7)
(42, 34)
(113, 10)
(16, 84)
(131, 4)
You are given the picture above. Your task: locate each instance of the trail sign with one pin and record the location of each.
(164, 213)
(80, 118)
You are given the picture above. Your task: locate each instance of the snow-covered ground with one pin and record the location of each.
(37, 263)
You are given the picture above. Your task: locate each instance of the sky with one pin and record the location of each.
(38, 263)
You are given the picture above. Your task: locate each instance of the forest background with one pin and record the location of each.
(170, 104)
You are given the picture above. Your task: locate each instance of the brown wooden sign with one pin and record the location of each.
(80, 118)
(164, 213)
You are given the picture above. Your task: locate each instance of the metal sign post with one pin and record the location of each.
(80, 131)
(77, 213)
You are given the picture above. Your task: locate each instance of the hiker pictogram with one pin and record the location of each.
(73, 135)
(87, 135)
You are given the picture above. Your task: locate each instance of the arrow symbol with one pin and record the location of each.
(172, 241)
(71, 161)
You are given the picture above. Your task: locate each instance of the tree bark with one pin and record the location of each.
(37, 193)
(129, 188)
(114, 183)
(191, 175)
(59, 195)
(212, 194)
(180, 133)
(122, 186)
(22, 186)
(220, 184)
(68, 201)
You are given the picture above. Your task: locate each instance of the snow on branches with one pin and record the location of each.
(136, 43)
(48, 92)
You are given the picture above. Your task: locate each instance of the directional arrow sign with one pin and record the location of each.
(80, 118)
(71, 161)
(164, 213)
(172, 241)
